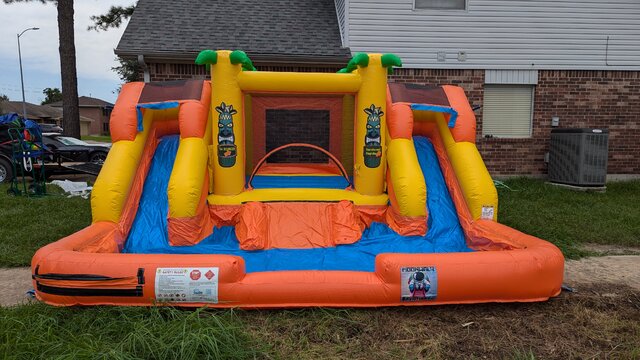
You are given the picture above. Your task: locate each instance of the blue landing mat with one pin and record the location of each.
(148, 234)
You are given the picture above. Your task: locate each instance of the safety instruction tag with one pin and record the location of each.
(418, 283)
(487, 212)
(187, 284)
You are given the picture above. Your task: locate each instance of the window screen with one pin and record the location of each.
(507, 111)
(297, 126)
(441, 4)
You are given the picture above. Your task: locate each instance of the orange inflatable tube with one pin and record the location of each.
(530, 270)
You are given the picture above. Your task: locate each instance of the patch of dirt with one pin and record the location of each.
(605, 250)
(600, 320)
(15, 282)
(595, 323)
(606, 269)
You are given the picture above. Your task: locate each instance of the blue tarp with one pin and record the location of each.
(149, 231)
(10, 118)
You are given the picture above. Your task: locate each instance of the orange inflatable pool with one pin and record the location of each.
(263, 190)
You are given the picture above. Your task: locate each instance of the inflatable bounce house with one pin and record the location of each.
(281, 189)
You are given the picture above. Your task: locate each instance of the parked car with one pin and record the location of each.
(63, 152)
(69, 149)
(50, 128)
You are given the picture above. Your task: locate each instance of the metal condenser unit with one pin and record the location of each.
(578, 156)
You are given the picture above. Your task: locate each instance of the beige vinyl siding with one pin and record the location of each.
(342, 14)
(501, 34)
(523, 77)
(507, 110)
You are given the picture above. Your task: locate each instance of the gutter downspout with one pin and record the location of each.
(145, 68)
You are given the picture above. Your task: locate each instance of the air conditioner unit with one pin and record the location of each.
(579, 156)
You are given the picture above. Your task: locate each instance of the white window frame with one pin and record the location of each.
(531, 113)
(466, 8)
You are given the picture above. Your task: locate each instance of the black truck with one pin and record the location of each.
(64, 154)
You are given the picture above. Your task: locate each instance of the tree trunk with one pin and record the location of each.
(70, 108)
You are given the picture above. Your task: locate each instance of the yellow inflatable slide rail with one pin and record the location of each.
(143, 114)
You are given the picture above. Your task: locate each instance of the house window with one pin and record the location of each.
(105, 128)
(507, 111)
(440, 4)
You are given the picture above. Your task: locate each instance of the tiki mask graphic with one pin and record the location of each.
(372, 139)
(227, 148)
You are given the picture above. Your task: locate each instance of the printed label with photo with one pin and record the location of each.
(418, 283)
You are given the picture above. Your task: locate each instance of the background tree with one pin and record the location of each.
(68, 72)
(51, 95)
(129, 69)
(67, 49)
(113, 18)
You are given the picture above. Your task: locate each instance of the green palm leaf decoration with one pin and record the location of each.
(359, 59)
(389, 61)
(207, 57)
(240, 57)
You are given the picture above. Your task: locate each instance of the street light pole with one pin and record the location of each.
(24, 106)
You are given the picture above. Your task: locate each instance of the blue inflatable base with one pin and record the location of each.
(303, 181)
(148, 234)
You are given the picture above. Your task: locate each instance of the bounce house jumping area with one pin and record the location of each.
(282, 189)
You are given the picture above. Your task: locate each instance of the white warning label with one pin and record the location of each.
(487, 212)
(187, 284)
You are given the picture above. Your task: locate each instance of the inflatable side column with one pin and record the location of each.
(370, 128)
(113, 185)
(228, 120)
(189, 220)
(370, 162)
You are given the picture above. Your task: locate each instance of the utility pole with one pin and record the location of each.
(24, 103)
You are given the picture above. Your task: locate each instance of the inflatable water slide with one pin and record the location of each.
(281, 189)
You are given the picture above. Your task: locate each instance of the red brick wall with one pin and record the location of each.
(607, 99)
(601, 99)
(164, 72)
(94, 114)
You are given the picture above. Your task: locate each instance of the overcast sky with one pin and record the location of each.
(40, 57)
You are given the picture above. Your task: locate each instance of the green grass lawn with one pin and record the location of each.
(584, 325)
(40, 331)
(604, 322)
(99, 138)
(570, 219)
(567, 218)
(28, 223)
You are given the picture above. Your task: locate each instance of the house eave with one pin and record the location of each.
(257, 58)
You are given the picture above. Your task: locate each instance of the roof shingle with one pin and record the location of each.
(86, 101)
(268, 28)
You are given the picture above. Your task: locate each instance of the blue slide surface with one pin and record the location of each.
(310, 181)
(148, 234)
